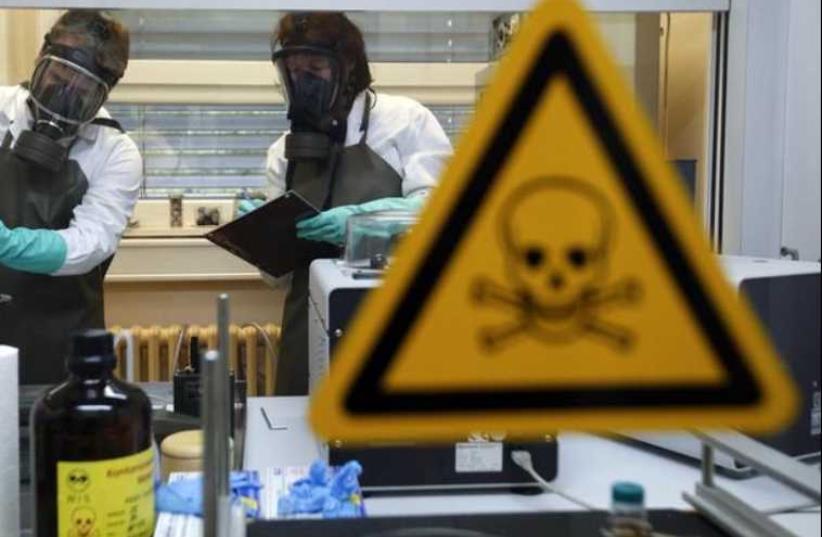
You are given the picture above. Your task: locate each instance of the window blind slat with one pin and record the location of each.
(218, 150)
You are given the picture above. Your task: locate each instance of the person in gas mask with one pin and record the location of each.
(349, 150)
(69, 178)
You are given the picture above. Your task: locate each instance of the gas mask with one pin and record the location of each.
(67, 89)
(313, 81)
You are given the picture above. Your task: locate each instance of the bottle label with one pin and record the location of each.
(108, 498)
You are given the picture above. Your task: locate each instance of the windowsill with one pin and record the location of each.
(176, 259)
(167, 232)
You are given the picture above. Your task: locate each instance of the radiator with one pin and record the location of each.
(148, 353)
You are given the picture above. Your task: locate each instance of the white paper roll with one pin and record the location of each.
(9, 440)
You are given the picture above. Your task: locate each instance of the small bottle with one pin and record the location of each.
(187, 388)
(92, 458)
(175, 210)
(628, 517)
(194, 355)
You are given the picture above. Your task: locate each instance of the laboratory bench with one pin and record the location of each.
(278, 435)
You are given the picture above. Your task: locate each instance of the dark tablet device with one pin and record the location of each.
(267, 237)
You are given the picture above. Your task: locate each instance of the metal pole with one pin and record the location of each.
(223, 316)
(223, 344)
(707, 465)
(215, 446)
(224, 412)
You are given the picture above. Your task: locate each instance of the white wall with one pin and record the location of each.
(755, 115)
(772, 161)
(801, 200)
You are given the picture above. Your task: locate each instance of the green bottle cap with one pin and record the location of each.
(627, 492)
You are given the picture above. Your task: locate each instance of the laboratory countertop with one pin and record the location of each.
(278, 435)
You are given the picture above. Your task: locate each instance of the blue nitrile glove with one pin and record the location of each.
(246, 206)
(346, 481)
(185, 496)
(41, 251)
(335, 495)
(344, 500)
(329, 226)
(303, 498)
(307, 495)
(245, 487)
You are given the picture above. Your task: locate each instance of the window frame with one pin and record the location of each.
(720, 195)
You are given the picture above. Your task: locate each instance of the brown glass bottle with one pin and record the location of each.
(92, 459)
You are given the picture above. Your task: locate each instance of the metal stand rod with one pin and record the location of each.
(216, 422)
(728, 511)
(223, 345)
(707, 465)
(788, 471)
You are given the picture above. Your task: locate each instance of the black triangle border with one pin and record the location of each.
(366, 397)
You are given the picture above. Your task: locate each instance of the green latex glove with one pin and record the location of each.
(40, 251)
(246, 206)
(329, 226)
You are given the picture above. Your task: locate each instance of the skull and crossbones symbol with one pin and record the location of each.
(83, 520)
(557, 233)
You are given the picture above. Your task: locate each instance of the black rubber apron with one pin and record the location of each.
(45, 309)
(357, 175)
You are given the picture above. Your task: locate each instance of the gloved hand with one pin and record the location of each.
(40, 251)
(246, 206)
(329, 226)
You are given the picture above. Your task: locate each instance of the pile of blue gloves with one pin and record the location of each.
(40, 251)
(330, 493)
(326, 492)
(329, 226)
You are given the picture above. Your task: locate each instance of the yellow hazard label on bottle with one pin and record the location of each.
(108, 498)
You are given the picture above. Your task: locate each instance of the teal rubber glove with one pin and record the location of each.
(40, 251)
(329, 226)
(246, 206)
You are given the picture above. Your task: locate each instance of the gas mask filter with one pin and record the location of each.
(67, 89)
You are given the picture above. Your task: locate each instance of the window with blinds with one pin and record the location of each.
(218, 150)
(215, 150)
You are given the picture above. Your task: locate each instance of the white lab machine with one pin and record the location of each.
(336, 289)
(786, 297)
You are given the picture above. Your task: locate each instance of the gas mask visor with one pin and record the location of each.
(311, 79)
(64, 91)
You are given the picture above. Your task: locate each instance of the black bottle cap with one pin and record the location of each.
(92, 343)
(94, 348)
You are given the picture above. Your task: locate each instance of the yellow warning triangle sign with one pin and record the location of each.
(558, 278)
